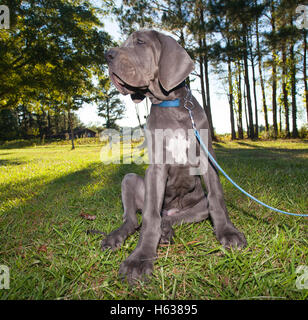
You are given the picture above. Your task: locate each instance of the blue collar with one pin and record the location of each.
(168, 103)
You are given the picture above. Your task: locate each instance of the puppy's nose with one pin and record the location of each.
(110, 55)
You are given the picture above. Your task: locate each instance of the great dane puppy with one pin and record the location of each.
(151, 64)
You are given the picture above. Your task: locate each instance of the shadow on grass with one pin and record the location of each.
(11, 162)
(19, 144)
(53, 199)
(60, 200)
(264, 152)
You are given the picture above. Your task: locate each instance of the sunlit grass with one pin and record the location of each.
(44, 189)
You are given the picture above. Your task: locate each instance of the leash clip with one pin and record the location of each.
(188, 100)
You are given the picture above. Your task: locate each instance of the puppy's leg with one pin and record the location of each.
(132, 198)
(140, 263)
(196, 213)
(225, 231)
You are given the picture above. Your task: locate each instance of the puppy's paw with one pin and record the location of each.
(230, 237)
(136, 268)
(113, 241)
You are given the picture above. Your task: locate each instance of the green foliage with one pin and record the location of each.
(52, 51)
(217, 33)
(49, 59)
(110, 106)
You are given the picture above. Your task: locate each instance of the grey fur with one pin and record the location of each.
(151, 64)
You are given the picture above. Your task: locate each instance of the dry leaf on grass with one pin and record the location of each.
(87, 216)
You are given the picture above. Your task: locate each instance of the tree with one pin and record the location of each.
(305, 70)
(8, 125)
(199, 26)
(272, 41)
(110, 106)
(51, 54)
(293, 83)
(259, 54)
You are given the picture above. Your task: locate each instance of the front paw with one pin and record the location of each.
(136, 268)
(113, 241)
(230, 237)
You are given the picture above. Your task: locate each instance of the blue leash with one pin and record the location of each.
(224, 173)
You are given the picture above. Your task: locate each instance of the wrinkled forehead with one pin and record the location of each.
(129, 42)
(147, 36)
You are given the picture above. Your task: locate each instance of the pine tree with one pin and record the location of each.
(110, 107)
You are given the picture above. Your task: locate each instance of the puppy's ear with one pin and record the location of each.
(174, 64)
(137, 97)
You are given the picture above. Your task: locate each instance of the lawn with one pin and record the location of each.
(45, 191)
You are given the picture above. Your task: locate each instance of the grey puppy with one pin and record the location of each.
(151, 64)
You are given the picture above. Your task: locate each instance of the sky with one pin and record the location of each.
(219, 100)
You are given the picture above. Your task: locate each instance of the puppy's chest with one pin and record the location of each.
(172, 137)
(168, 118)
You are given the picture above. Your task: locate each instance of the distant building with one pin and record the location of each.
(84, 133)
(78, 133)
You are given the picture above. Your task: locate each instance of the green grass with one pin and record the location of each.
(44, 189)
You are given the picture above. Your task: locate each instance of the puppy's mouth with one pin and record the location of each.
(123, 87)
(118, 82)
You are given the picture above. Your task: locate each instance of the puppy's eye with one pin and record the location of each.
(139, 41)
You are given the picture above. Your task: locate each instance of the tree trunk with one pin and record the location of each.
(206, 77)
(261, 77)
(305, 71)
(284, 90)
(64, 121)
(25, 121)
(202, 83)
(56, 120)
(293, 88)
(280, 118)
(250, 129)
(208, 96)
(240, 106)
(245, 108)
(40, 125)
(274, 76)
(274, 96)
(293, 93)
(71, 126)
(254, 93)
(49, 127)
(233, 134)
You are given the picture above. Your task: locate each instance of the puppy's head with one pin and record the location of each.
(148, 63)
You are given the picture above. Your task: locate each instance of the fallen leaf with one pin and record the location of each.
(87, 216)
(42, 248)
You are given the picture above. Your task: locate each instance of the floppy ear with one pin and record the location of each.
(174, 64)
